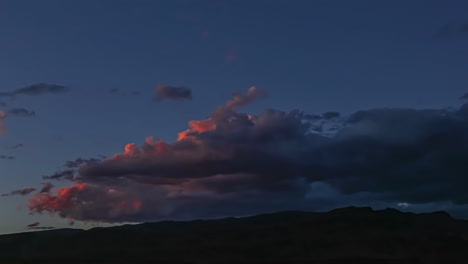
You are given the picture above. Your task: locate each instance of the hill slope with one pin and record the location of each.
(339, 236)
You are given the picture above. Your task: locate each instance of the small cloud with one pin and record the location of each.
(22, 112)
(403, 205)
(239, 99)
(464, 97)
(172, 92)
(34, 224)
(5, 157)
(67, 175)
(80, 161)
(37, 89)
(114, 90)
(17, 146)
(21, 192)
(46, 187)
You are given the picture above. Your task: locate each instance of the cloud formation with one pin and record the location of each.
(163, 92)
(21, 112)
(234, 163)
(36, 89)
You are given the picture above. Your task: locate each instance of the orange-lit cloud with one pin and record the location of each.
(198, 126)
(233, 163)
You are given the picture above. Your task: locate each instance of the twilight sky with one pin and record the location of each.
(82, 79)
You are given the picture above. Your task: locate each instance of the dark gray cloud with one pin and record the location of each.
(66, 174)
(37, 89)
(46, 187)
(71, 164)
(21, 112)
(465, 96)
(163, 92)
(36, 226)
(17, 146)
(21, 192)
(114, 90)
(6, 157)
(235, 163)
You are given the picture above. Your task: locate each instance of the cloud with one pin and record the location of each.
(234, 163)
(66, 174)
(114, 90)
(36, 89)
(6, 157)
(17, 146)
(238, 100)
(3, 115)
(21, 192)
(465, 96)
(79, 161)
(46, 187)
(3, 104)
(21, 112)
(163, 92)
(36, 226)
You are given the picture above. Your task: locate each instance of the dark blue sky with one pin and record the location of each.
(316, 56)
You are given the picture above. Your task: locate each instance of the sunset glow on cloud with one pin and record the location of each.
(233, 162)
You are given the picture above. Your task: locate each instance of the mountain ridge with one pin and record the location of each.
(338, 236)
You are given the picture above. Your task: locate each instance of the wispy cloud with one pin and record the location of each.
(36, 226)
(21, 112)
(36, 89)
(21, 192)
(6, 157)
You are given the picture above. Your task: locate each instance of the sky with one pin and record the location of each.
(295, 105)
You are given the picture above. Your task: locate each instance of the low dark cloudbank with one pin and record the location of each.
(236, 164)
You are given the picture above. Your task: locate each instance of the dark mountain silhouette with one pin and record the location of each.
(348, 235)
